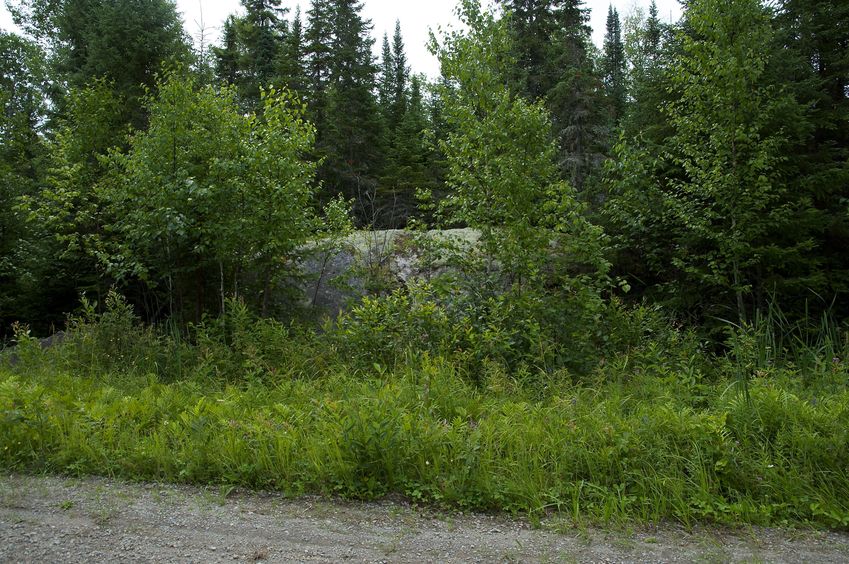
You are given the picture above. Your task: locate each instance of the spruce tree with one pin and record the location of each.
(318, 50)
(228, 55)
(386, 79)
(653, 33)
(403, 170)
(614, 65)
(292, 61)
(252, 49)
(551, 44)
(533, 24)
(411, 150)
(576, 102)
(816, 35)
(401, 72)
(343, 66)
(125, 42)
(261, 32)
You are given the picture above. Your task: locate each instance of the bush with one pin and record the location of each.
(109, 341)
(475, 319)
(384, 403)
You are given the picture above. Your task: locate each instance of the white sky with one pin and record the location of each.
(416, 16)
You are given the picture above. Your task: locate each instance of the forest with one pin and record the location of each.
(651, 321)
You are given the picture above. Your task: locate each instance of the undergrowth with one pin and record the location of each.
(664, 429)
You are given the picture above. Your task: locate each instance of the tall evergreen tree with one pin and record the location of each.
(653, 33)
(551, 44)
(228, 55)
(401, 72)
(262, 30)
(252, 49)
(411, 152)
(386, 79)
(342, 72)
(816, 33)
(292, 63)
(614, 65)
(124, 41)
(403, 163)
(533, 26)
(577, 101)
(319, 48)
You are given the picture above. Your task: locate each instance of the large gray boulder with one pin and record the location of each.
(338, 273)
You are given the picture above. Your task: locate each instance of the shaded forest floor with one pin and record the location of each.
(53, 519)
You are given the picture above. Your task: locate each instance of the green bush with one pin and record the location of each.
(429, 399)
(516, 326)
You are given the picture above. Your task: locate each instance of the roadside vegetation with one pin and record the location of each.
(661, 429)
(648, 322)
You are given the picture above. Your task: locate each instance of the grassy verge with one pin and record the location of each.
(644, 444)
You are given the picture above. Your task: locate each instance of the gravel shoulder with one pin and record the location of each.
(54, 519)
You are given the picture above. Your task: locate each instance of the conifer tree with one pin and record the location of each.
(614, 65)
(261, 32)
(653, 33)
(228, 55)
(318, 50)
(343, 73)
(125, 42)
(402, 74)
(551, 43)
(403, 165)
(411, 149)
(816, 34)
(253, 46)
(292, 63)
(386, 79)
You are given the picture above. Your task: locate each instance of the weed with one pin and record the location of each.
(657, 433)
(103, 515)
(259, 554)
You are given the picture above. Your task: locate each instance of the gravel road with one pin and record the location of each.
(50, 519)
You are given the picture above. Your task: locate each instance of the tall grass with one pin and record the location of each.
(656, 432)
(816, 349)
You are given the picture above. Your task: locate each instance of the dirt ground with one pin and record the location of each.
(50, 519)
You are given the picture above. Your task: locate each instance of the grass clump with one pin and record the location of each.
(662, 430)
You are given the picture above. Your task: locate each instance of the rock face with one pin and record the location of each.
(373, 263)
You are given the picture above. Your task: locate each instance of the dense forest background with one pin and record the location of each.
(704, 165)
